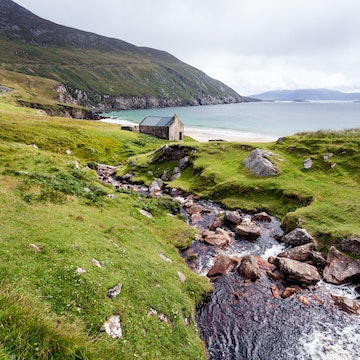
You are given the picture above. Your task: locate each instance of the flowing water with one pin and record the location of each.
(244, 320)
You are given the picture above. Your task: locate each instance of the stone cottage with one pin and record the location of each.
(170, 128)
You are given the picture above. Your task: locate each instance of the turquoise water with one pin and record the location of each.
(275, 119)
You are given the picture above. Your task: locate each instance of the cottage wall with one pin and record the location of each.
(176, 130)
(161, 132)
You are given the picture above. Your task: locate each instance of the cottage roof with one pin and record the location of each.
(157, 121)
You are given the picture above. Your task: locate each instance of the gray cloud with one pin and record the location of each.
(252, 45)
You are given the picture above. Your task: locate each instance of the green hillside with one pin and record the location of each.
(99, 71)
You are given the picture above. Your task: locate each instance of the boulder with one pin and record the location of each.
(258, 163)
(223, 265)
(234, 217)
(217, 239)
(351, 246)
(249, 268)
(297, 237)
(249, 231)
(297, 271)
(305, 253)
(341, 269)
(262, 216)
(184, 163)
(299, 253)
(156, 186)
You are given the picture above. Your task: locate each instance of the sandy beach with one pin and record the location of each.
(208, 134)
(204, 135)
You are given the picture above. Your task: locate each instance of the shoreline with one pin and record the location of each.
(210, 134)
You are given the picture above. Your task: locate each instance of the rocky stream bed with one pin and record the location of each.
(270, 300)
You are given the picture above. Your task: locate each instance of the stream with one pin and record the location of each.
(249, 319)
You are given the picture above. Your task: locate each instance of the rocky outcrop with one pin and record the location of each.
(297, 237)
(299, 272)
(340, 269)
(258, 162)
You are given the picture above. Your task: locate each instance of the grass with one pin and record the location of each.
(48, 311)
(51, 200)
(322, 198)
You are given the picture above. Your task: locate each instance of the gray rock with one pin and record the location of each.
(351, 245)
(114, 291)
(235, 217)
(127, 176)
(308, 163)
(258, 163)
(176, 173)
(156, 186)
(184, 163)
(249, 268)
(297, 271)
(297, 237)
(341, 269)
(164, 176)
(112, 326)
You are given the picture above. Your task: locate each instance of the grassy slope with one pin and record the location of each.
(324, 197)
(109, 72)
(48, 311)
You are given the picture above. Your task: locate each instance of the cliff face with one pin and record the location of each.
(101, 72)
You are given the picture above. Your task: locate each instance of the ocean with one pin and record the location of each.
(257, 121)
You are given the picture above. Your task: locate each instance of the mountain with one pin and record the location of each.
(102, 72)
(306, 94)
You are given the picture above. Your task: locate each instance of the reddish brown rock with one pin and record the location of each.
(297, 271)
(346, 304)
(262, 216)
(288, 292)
(195, 218)
(217, 239)
(304, 300)
(223, 265)
(194, 209)
(275, 291)
(341, 269)
(249, 231)
(299, 253)
(249, 268)
(265, 265)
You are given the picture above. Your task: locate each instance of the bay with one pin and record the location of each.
(256, 121)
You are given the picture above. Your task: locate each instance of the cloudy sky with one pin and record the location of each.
(251, 45)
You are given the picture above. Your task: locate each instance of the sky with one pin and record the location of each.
(251, 45)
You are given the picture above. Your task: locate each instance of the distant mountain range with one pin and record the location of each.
(306, 94)
(102, 72)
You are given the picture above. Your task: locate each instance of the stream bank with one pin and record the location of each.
(261, 316)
